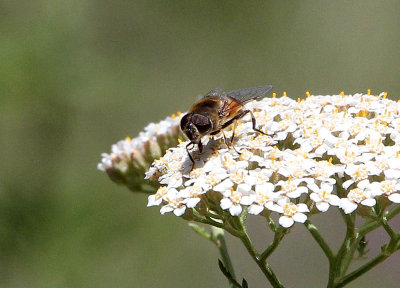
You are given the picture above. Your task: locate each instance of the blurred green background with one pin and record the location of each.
(77, 76)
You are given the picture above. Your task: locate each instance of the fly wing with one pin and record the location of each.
(247, 94)
(214, 93)
(242, 95)
(234, 100)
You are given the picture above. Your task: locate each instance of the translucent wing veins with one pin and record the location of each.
(247, 94)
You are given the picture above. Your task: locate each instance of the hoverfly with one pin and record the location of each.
(218, 110)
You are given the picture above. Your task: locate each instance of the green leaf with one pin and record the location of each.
(228, 275)
(201, 231)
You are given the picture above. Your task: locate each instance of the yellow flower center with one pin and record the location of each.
(289, 209)
(357, 195)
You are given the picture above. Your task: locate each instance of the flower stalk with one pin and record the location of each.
(278, 236)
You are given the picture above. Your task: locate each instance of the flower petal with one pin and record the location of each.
(153, 201)
(223, 186)
(192, 202)
(347, 205)
(299, 217)
(235, 210)
(334, 200)
(369, 202)
(302, 207)
(395, 197)
(286, 221)
(166, 209)
(180, 210)
(247, 200)
(322, 206)
(225, 203)
(255, 209)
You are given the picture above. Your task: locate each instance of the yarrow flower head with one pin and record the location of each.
(285, 161)
(322, 151)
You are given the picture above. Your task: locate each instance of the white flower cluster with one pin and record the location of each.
(322, 151)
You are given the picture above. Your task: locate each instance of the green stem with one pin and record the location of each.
(363, 269)
(387, 250)
(387, 227)
(218, 239)
(242, 235)
(320, 240)
(346, 252)
(349, 257)
(211, 222)
(271, 224)
(265, 267)
(325, 248)
(366, 228)
(271, 248)
(347, 249)
(208, 221)
(218, 235)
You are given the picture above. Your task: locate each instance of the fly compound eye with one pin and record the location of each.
(202, 123)
(189, 128)
(184, 121)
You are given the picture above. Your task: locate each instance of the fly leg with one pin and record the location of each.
(233, 131)
(190, 156)
(226, 124)
(241, 115)
(233, 121)
(200, 145)
(229, 144)
(253, 121)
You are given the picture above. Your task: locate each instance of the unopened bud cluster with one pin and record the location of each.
(131, 158)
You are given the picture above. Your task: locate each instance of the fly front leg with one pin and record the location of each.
(190, 156)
